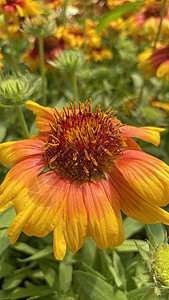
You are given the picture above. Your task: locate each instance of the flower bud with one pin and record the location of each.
(16, 90)
(40, 26)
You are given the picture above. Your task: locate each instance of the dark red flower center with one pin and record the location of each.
(83, 144)
(51, 43)
(153, 12)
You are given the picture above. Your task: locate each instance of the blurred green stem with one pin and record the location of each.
(16, 68)
(42, 66)
(156, 41)
(75, 87)
(64, 12)
(160, 24)
(84, 28)
(22, 121)
(148, 294)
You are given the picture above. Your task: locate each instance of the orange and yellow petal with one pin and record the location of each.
(113, 198)
(40, 205)
(12, 152)
(59, 243)
(162, 105)
(146, 174)
(133, 205)
(148, 134)
(44, 115)
(144, 63)
(163, 70)
(103, 223)
(17, 178)
(130, 144)
(75, 217)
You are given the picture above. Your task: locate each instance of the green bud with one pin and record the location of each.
(157, 261)
(16, 90)
(39, 26)
(162, 263)
(69, 60)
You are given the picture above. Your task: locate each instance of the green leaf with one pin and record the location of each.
(157, 231)
(113, 271)
(5, 269)
(23, 293)
(114, 14)
(6, 218)
(144, 254)
(22, 247)
(131, 227)
(136, 294)
(130, 246)
(92, 271)
(89, 251)
(39, 254)
(65, 276)
(50, 275)
(93, 286)
(3, 129)
(150, 237)
(119, 268)
(120, 296)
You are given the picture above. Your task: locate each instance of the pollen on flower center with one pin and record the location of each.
(82, 144)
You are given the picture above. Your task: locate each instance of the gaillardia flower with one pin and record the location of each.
(76, 176)
(145, 23)
(19, 8)
(155, 63)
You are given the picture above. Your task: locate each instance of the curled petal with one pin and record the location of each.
(146, 174)
(148, 134)
(130, 143)
(44, 115)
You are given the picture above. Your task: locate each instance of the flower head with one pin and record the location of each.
(15, 90)
(147, 20)
(155, 63)
(53, 45)
(19, 8)
(39, 26)
(76, 176)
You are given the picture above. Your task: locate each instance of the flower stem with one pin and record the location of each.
(14, 62)
(75, 87)
(42, 65)
(147, 295)
(22, 121)
(64, 12)
(84, 28)
(160, 24)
